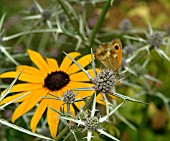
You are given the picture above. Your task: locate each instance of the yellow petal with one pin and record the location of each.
(52, 116)
(63, 90)
(71, 110)
(23, 77)
(52, 63)
(84, 61)
(23, 98)
(28, 104)
(79, 104)
(10, 98)
(11, 74)
(112, 97)
(67, 61)
(82, 94)
(38, 60)
(25, 87)
(99, 99)
(81, 76)
(38, 114)
(30, 78)
(79, 85)
(57, 93)
(30, 70)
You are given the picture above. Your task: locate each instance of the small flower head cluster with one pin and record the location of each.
(46, 14)
(92, 123)
(33, 9)
(69, 96)
(104, 80)
(128, 50)
(125, 25)
(155, 40)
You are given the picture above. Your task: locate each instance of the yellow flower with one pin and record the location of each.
(47, 78)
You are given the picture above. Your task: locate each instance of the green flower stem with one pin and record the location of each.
(75, 108)
(144, 119)
(44, 41)
(1, 8)
(99, 22)
(68, 107)
(62, 133)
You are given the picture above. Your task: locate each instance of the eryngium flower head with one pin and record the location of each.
(155, 40)
(128, 49)
(104, 80)
(46, 14)
(62, 17)
(125, 25)
(32, 9)
(69, 96)
(92, 123)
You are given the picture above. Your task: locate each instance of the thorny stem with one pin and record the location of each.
(66, 12)
(66, 128)
(63, 132)
(140, 57)
(99, 22)
(90, 101)
(143, 54)
(70, 18)
(75, 108)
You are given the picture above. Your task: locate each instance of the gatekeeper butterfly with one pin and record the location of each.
(110, 55)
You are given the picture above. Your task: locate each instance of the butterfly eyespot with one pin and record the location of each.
(116, 47)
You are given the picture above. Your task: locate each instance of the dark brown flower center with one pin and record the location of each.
(56, 80)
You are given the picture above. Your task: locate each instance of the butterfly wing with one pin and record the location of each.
(110, 54)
